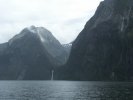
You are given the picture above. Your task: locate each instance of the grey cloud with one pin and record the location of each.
(64, 18)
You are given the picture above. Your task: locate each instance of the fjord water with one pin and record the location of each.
(65, 90)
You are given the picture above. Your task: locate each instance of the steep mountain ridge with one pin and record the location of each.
(103, 50)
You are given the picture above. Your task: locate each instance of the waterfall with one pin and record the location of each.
(122, 24)
(52, 75)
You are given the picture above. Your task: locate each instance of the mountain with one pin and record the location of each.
(31, 55)
(104, 48)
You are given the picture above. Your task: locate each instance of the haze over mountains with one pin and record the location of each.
(102, 51)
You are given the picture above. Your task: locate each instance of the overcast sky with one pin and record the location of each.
(64, 18)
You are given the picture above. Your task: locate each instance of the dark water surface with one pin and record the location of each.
(65, 90)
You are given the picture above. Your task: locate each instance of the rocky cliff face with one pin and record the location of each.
(104, 48)
(32, 54)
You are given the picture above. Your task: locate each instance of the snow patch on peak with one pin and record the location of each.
(40, 36)
(32, 29)
(39, 31)
(44, 34)
(67, 45)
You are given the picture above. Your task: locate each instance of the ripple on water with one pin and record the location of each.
(65, 90)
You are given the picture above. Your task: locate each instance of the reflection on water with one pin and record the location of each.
(65, 90)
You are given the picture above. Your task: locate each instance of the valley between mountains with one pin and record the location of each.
(103, 50)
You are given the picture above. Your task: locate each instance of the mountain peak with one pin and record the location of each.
(32, 29)
(40, 31)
